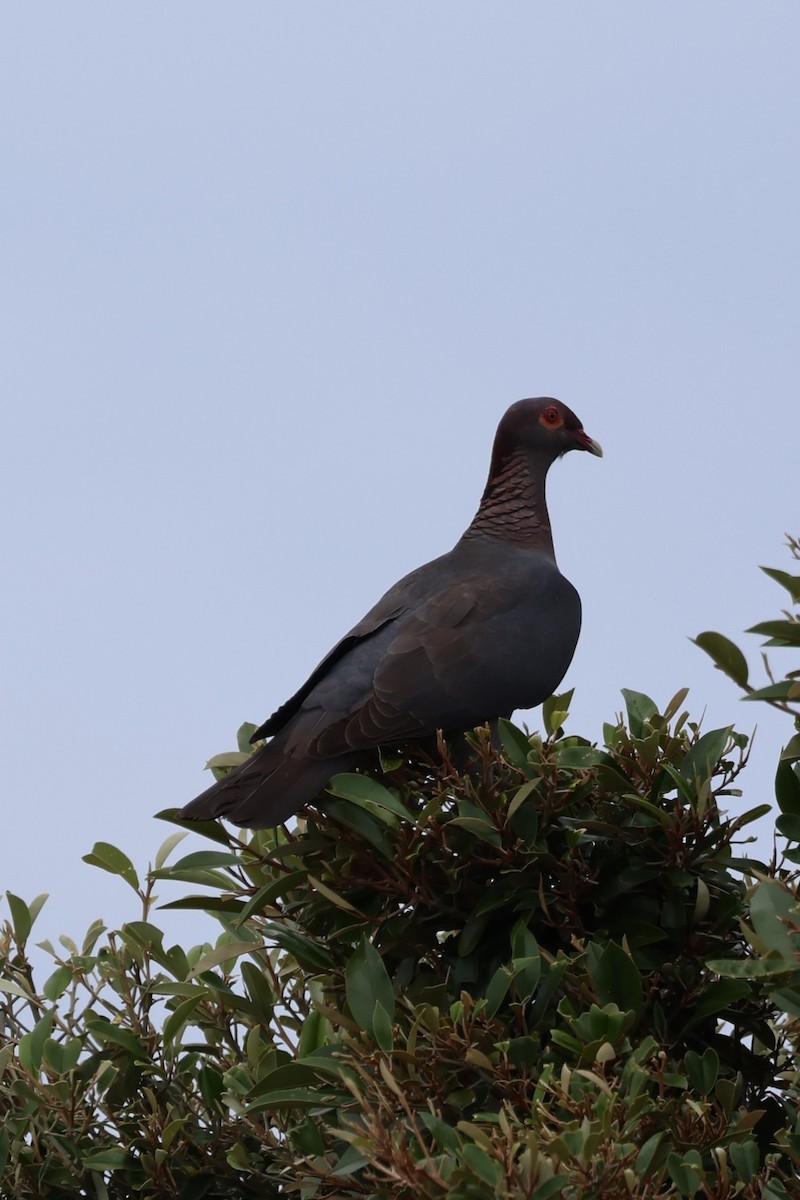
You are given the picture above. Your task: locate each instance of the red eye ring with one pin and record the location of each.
(552, 415)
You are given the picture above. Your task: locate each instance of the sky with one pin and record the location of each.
(271, 275)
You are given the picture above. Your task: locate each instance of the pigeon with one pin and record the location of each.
(485, 629)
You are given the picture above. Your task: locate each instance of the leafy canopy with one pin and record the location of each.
(557, 973)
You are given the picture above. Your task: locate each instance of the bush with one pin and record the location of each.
(556, 974)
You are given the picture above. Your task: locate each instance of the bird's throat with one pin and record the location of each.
(513, 506)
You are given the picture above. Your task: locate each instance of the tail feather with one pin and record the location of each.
(265, 790)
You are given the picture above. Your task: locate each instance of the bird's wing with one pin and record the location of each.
(397, 601)
(450, 663)
(287, 710)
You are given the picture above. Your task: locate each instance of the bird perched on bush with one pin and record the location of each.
(487, 628)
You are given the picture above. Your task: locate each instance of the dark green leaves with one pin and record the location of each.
(115, 861)
(702, 1070)
(787, 793)
(640, 708)
(23, 915)
(790, 582)
(725, 655)
(515, 743)
(779, 633)
(617, 979)
(555, 711)
(704, 755)
(370, 996)
(369, 794)
(499, 981)
(775, 916)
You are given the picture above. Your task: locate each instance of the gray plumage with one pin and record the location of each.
(485, 629)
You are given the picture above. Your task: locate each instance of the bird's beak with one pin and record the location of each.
(587, 443)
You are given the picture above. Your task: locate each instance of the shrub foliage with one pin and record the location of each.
(556, 973)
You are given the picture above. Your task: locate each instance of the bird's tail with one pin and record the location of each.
(266, 790)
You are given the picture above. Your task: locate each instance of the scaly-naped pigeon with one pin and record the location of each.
(469, 637)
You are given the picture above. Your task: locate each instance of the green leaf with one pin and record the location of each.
(312, 1034)
(787, 788)
(178, 1019)
(745, 1158)
(12, 988)
(675, 703)
(367, 792)
(444, 1135)
(61, 1058)
(367, 984)
(110, 859)
(166, 848)
(109, 1160)
(244, 735)
(725, 654)
(496, 990)
(703, 756)
(787, 1000)
(772, 906)
(640, 708)
(790, 582)
(290, 1098)
(716, 997)
(555, 711)
(308, 953)
(225, 952)
(752, 968)
(480, 828)
(515, 743)
(551, 1188)
(382, 1028)
(773, 691)
(57, 983)
(747, 818)
(222, 764)
(288, 1075)
(209, 904)
(584, 758)
(262, 996)
(702, 1070)
(291, 1085)
(211, 1086)
(486, 1168)
(644, 1158)
(21, 918)
(212, 830)
(789, 827)
(617, 979)
(329, 894)
(271, 893)
(107, 1031)
(205, 858)
(363, 819)
(171, 1131)
(782, 632)
(307, 1138)
(526, 963)
(31, 1045)
(685, 1175)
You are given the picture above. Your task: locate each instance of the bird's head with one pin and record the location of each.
(543, 427)
(546, 426)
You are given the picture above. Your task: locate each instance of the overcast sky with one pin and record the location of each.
(273, 272)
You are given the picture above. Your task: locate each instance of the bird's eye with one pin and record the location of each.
(552, 416)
